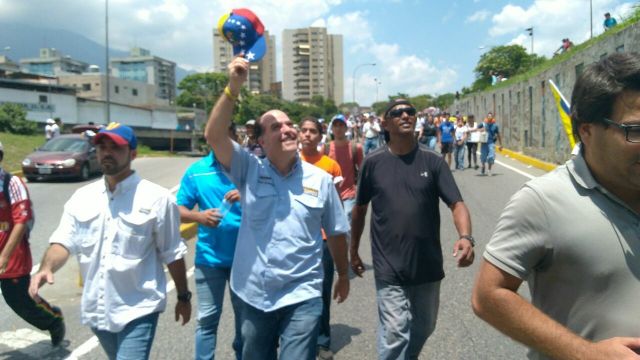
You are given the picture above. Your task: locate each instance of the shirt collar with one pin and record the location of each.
(580, 172)
(123, 186)
(211, 159)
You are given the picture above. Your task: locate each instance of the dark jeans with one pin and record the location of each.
(472, 148)
(39, 314)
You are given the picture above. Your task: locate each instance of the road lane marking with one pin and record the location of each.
(514, 169)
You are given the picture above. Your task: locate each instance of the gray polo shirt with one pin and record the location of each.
(578, 247)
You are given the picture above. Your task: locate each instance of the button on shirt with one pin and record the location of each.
(121, 240)
(279, 250)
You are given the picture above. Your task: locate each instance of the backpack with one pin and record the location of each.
(354, 157)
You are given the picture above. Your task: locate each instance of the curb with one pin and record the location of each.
(543, 165)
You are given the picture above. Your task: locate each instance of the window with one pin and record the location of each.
(117, 89)
(620, 48)
(86, 87)
(134, 92)
(43, 99)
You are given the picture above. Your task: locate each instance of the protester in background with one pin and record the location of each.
(460, 140)
(16, 220)
(370, 131)
(428, 135)
(472, 141)
(49, 129)
(446, 132)
(609, 21)
(218, 215)
(405, 233)
(488, 148)
(251, 142)
(122, 230)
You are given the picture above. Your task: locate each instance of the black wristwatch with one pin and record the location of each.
(185, 296)
(470, 238)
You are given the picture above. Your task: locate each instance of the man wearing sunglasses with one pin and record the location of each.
(574, 233)
(405, 232)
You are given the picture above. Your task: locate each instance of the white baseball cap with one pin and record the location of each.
(50, 121)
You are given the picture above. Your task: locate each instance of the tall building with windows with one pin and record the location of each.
(52, 63)
(312, 65)
(261, 74)
(144, 67)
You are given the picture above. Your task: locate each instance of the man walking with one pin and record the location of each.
(446, 131)
(285, 204)
(122, 229)
(218, 216)
(370, 131)
(405, 233)
(16, 220)
(488, 148)
(573, 233)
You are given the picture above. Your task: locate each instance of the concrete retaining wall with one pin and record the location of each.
(526, 110)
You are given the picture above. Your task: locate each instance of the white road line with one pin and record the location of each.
(514, 169)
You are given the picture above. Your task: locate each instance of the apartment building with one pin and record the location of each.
(144, 67)
(312, 65)
(52, 63)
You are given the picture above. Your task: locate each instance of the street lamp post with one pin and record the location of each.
(591, 18)
(354, 79)
(377, 83)
(530, 30)
(106, 54)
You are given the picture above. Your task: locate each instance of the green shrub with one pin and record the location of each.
(13, 119)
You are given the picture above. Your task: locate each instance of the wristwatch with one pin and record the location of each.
(185, 296)
(470, 238)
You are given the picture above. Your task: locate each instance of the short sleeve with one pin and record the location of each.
(364, 190)
(447, 188)
(520, 240)
(187, 194)
(168, 241)
(334, 220)
(21, 211)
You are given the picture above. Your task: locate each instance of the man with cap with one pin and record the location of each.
(250, 142)
(16, 220)
(405, 232)
(277, 269)
(122, 230)
(49, 131)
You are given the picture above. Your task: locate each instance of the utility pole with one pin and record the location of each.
(106, 54)
(530, 30)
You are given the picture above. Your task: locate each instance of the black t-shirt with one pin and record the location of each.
(404, 192)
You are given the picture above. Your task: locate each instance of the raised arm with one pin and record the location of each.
(216, 131)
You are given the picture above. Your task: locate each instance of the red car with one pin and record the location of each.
(65, 156)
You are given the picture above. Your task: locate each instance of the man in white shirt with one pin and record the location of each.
(49, 129)
(122, 230)
(370, 131)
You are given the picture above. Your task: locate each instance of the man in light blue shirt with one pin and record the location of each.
(277, 270)
(205, 184)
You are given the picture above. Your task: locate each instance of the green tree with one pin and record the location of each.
(506, 60)
(13, 119)
(201, 90)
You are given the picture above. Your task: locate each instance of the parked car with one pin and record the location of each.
(65, 156)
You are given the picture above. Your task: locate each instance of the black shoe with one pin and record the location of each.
(58, 330)
(476, 167)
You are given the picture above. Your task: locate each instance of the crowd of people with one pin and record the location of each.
(282, 226)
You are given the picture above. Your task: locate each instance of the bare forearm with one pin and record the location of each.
(178, 272)
(188, 215)
(14, 239)
(358, 215)
(55, 257)
(511, 314)
(338, 248)
(461, 218)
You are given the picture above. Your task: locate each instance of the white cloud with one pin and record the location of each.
(478, 16)
(552, 21)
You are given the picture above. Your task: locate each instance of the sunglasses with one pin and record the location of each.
(398, 112)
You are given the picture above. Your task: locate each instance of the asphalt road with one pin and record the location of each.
(459, 334)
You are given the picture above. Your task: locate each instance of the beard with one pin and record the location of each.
(110, 166)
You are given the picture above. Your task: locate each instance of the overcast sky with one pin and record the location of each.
(418, 46)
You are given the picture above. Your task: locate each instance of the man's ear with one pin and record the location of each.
(585, 130)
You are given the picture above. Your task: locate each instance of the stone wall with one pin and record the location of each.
(526, 110)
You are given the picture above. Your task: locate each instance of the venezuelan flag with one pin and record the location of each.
(565, 112)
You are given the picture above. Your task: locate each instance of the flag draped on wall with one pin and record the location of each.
(565, 112)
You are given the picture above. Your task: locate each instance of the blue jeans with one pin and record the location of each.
(487, 153)
(370, 144)
(324, 334)
(131, 343)
(295, 326)
(459, 155)
(210, 285)
(407, 316)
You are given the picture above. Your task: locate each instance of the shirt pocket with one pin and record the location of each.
(87, 231)
(133, 236)
(311, 209)
(263, 207)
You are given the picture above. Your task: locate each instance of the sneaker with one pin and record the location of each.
(482, 171)
(324, 353)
